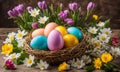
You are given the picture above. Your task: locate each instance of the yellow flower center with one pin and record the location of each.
(92, 30)
(103, 38)
(97, 44)
(78, 63)
(42, 20)
(106, 32)
(29, 61)
(85, 60)
(20, 35)
(115, 52)
(13, 57)
(34, 14)
(11, 38)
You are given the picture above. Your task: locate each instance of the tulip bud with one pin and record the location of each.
(11, 13)
(42, 5)
(69, 21)
(90, 6)
(34, 25)
(73, 6)
(29, 8)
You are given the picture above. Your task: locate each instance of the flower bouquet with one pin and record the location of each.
(50, 35)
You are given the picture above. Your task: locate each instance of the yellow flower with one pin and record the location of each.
(106, 57)
(62, 67)
(97, 63)
(95, 17)
(7, 48)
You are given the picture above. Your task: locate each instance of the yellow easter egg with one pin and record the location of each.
(62, 30)
(70, 40)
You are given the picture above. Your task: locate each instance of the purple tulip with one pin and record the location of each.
(61, 5)
(69, 21)
(62, 15)
(15, 10)
(34, 25)
(21, 8)
(9, 65)
(42, 5)
(90, 6)
(11, 13)
(66, 11)
(73, 6)
(29, 8)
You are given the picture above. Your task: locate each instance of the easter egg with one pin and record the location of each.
(75, 31)
(55, 40)
(39, 43)
(70, 40)
(62, 30)
(37, 32)
(49, 27)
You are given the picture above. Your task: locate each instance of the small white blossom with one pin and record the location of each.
(29, 61)
(42, 20)
(101, 24)
(104, 38)
(71, 62)
(115, 51)
(79, 64)
(86, 59)
(92, 30)
(43, 65)
(34, 12)
(96, 43)
(106, 31)
(12, 56)
(20, 34)
(20, 42)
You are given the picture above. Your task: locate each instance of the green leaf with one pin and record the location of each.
(89, 68)
(107, 23)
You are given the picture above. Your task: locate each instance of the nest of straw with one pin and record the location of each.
(56, 57)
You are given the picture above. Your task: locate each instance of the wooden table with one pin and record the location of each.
(22, 68)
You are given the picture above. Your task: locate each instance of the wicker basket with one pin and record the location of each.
(56, 57)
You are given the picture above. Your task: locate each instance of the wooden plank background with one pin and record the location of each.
(106, 8)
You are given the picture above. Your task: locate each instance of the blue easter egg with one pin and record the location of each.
(76, 32)
(39, 43)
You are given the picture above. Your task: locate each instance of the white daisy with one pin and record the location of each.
(42, 65)
(7, 40)
(20, 42)
(106, 31)
(20, 34)
(115, 51)
(104, 38)
(34, 12)
(96, 42)
(97, 51)
(12, 56)
(101, 24)
(71, 62)
(42, 20)
(79, 64)
(11, 36)
(92, 30)
(29, 61)
(86, 59)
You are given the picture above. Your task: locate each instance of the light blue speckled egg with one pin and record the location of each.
(39, 43)
(76, 32)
